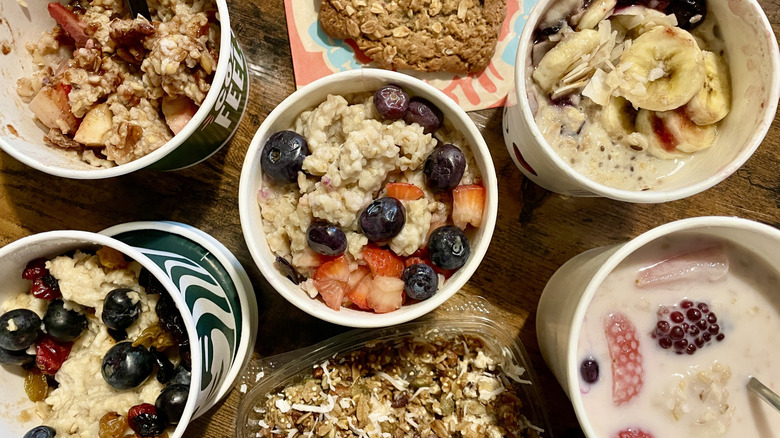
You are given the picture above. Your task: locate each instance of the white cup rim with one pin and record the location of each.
(623, 252)
(648, 196)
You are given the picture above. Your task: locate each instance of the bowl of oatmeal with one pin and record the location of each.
(658, 337)
(367, 198)
(91, 92)
(100, 337)
(641, 101)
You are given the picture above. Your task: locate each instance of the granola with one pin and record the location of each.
(458, 36)
(440, 386)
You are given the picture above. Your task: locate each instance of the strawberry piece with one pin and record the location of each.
(331, 279)
(358, 294)
(627, 370)
(35, 269)
(383, 262)
(468, 202)
(415, 260)
(634, 433)
(50, 354)
(71, 23)
(46, 287)
(404, 191)
(386, 295)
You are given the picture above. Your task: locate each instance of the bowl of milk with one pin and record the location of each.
(657, 337)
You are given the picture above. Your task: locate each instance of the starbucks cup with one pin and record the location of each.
(208, 285)
(568, 294)
(753, 59)
(21, 136)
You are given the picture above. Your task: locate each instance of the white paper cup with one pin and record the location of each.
(568, 293)
(208, 286)
(21, 136)
(282, 117)
(754, 60)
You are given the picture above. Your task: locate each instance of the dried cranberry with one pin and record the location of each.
(46, 287)
(170, 318)
(35, 269)
(50, 354)
(146, 421)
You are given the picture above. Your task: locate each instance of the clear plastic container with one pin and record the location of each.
(269, 376)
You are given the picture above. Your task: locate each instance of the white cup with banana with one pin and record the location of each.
(640, 100)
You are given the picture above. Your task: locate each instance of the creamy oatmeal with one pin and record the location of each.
(352, 161)
(626, 92)
(111, 88)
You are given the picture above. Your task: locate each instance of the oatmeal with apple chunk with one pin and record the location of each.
(113, 88)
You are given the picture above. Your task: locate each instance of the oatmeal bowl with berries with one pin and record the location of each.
(90, 91)
(98, 338)
(368, 198)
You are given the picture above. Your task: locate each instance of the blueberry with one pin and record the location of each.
(383, 219)
(171, 402)
(589, 369)
(63, 324)
(288, 270)
(41, 432)
(444, 168)
(425, 114)
(420, 281)
(686, 10)
(19, 328)
(11, 357)
(165, 368)
(149, 282)
(448, 247)
(391, 102)
(120, 310)
(126, 367)
(326, 239)
(282, 156)
(181, 376)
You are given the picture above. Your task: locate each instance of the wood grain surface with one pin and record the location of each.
(536, 232)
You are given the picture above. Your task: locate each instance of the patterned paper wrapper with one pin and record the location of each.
(316, 55)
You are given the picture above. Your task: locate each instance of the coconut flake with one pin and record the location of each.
(399, 384)
(322, 409)
(597, 89)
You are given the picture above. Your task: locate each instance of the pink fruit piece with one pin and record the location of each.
(386, 295)
(627, 370)
(69, 21)
(709, 264)
(633, 432)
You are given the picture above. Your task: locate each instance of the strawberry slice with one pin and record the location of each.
(404, 191)
(383, 262)
(386, 295)
(634, 433)
(331, 280)
(415, 260)
(71, 23)
(627, 370)
(468, 202)
(358, 294)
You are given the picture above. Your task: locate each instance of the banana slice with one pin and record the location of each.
(713, 102)
(617, 118)
(672, 134)
(663, 69)
(559, 60)
(636, 20)
(595, 12)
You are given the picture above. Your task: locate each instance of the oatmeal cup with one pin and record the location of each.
(188, 291)
(636, 104)
(337, 234)
(118, 95)
(657, 336)
(460, 374)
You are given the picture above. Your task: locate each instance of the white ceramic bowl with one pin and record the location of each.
(208, 304)
(281, 118)
(754, 62)
(568, 293)
(21, 136)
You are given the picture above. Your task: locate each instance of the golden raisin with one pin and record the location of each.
(112, 425)
(111, 258)
(155, 336)
(35, 385)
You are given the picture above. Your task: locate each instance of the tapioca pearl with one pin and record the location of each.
(693, 314)
(714, 329)
(686, 304)
(720, 337)
(677, 317)
(703, 307)
(711, 318)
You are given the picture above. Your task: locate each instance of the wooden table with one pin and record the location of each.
(536, 232)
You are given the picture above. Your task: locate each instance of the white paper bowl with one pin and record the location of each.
(754, 62)
(281, 118)
(22, 137)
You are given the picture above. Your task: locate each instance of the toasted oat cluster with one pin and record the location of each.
(406, 388)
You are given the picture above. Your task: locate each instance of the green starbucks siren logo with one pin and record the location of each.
(222, 121)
